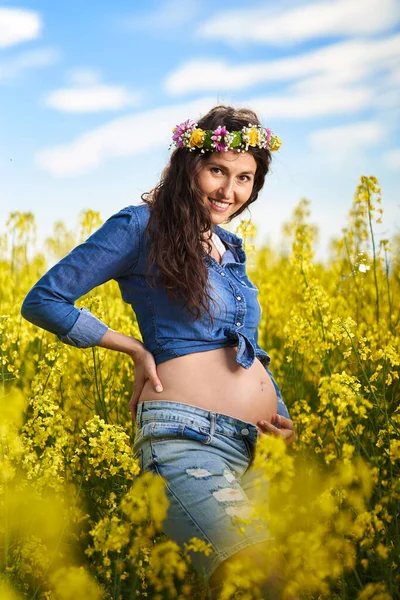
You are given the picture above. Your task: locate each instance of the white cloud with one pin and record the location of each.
(392, 159)
(297, 106)
(281, 25)
(18, 25)
(171, 15)
(91, 98)
(337, 64)
(125, 136)
(13, 68)
(338, 143)
(84, 76)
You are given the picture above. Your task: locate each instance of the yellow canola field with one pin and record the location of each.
(79, 521)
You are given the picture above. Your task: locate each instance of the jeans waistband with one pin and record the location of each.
(152, 410)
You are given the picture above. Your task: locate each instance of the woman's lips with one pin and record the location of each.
(218, 208)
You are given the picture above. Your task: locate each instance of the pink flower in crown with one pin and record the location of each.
(268, 132)
(218, 138)
(180, 130)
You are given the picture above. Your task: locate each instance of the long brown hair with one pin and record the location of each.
(179, 219)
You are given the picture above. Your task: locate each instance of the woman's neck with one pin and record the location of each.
(211, 230)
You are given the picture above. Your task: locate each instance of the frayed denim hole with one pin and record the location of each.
(199, 473)
(229, 495)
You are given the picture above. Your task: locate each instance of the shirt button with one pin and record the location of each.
(222, 274)
(245, 431)
(238, 297)
(238, 323)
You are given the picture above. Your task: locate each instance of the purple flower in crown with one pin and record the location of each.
(180, 130)
(220, 144)
(268, 133)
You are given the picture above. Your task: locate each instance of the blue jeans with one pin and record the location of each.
(204, 458)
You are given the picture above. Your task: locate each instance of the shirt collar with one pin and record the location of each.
(231, 238)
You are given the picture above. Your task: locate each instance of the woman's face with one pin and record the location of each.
(226, 178)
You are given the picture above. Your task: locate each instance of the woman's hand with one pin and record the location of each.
(287, 432)
(145, 368)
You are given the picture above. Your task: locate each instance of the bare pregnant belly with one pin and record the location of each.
(213, 380)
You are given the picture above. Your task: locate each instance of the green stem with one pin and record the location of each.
(117, 579)
(102, 409)
(357, 295)
(388, 291)
(361, 365)
(374, 254)
(326, 359)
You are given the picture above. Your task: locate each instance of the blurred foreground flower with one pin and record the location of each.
(312, 516)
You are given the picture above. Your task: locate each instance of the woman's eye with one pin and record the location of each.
(245, 178)
(214, 169)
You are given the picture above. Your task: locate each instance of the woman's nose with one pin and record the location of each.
(226, 190)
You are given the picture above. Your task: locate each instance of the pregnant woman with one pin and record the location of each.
(203, 393)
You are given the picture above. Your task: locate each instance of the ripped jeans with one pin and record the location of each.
(204, 458)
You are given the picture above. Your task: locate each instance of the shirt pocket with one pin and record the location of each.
(240, 276)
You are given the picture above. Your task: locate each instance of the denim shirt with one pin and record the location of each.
(118, 250)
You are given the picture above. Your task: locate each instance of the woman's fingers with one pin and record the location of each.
(137, 390)
(286, 431)
(157, 384)
(145, 369)
(150, 371)
(265, 426)
(284, 422)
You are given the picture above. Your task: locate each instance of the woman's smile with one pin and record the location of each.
(226, 182)
(218, 205)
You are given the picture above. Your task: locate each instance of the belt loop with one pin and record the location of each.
(213, 420)
(139, 414)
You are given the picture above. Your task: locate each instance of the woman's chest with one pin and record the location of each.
(216, 251)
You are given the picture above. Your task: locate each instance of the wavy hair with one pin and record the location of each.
(179, 220)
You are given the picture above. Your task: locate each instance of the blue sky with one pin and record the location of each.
(89, 93)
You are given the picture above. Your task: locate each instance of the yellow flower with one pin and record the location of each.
(197, 137)
(253, 136)
(74, 582)
(275, 143)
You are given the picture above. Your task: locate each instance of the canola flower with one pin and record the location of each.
(77, 516)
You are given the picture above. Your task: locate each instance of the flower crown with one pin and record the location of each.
(189, 135)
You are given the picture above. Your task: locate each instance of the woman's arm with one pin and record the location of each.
(110, 252)
(114, 340)
(145, 366)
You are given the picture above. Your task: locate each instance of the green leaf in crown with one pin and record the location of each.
(236, 139)
(207, 142)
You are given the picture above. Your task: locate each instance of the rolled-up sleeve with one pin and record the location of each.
(109, 253)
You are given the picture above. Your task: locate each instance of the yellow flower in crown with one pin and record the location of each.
(275, 143)
(253, 136)
(197, 137)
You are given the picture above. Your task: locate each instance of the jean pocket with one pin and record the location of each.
(167, 430)
(159, 431)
